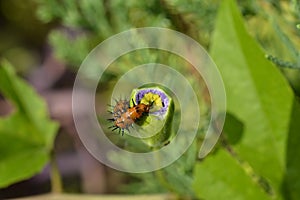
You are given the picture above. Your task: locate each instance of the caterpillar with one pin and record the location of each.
(125, 116)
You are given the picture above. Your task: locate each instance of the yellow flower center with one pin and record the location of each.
(152, 98)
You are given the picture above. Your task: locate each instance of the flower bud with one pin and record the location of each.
(155, 129)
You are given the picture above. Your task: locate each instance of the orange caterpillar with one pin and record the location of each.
(124, 116)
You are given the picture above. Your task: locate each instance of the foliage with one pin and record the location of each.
(279, 35)
(176, 178)
(99, 20)
(261, 100)
(27, 134)
(256, 157)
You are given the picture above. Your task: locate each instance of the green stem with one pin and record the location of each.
(282, 63)
(161, 176)
(56, 182)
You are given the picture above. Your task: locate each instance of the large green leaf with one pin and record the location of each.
(220, 176)
(258, 96)
(27, 135)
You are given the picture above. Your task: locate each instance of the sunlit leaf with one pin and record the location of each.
(220, 176)
(259, 98)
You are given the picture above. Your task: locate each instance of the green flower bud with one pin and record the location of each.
(155, 129)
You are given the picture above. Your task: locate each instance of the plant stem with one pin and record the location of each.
(56, 182)
(161, 176)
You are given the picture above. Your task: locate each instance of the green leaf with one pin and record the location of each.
(258, 96)
(292, 177)
(27, 134)
(220, 176)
